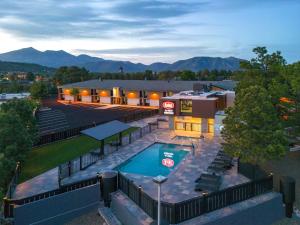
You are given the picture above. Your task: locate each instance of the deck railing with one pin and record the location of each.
(82, 162)
(52, 137)
(9, 204)
(185, 210)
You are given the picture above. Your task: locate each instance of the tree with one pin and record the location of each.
(30, 76)
(252, 128)
(187, 75)
(39, 90)
(74, 92)
(22, 108)
(71, 74)
(15, 142)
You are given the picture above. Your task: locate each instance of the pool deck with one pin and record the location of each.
(180, 183)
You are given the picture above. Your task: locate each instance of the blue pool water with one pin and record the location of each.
(157, 159)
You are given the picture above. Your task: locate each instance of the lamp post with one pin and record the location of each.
(159, 180)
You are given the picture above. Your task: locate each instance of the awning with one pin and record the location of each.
(106, 130)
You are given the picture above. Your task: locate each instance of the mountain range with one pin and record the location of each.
(60, 58)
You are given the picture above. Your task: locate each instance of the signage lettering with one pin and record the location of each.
(168, 108)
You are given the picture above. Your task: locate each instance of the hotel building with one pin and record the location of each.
(198, 110)
(133, 92)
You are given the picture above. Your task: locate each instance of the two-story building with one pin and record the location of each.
(131, 92)
(197, 111)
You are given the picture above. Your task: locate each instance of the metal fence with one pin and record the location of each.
(9, 204)
(48, 138)
(14, 181)
(84, 161)
(178, 212)
(172, 212)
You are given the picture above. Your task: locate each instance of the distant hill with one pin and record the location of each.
(25, 67)
(61, 58)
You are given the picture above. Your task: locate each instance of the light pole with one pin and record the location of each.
(159, 180)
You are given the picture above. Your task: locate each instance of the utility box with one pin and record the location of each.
(109, 183)
(287, 188)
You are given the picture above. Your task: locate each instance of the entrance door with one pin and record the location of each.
(188, 126)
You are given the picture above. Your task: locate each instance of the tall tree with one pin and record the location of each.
(252, 128)
(39, 90)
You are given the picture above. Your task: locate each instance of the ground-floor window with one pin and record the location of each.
(188, 126)
(179, 126)
(196, 127)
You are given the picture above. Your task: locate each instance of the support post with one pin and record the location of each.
(120, 139)
(102, 149)
(80, 162)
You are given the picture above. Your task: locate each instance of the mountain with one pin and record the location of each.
(94, 64)
(25, 67)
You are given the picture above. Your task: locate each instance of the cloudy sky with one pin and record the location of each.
(152, 30)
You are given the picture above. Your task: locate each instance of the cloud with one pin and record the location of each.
(88, 19)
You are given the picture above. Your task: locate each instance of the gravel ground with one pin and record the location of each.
(91, 218)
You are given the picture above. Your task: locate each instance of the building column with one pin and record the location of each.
(204, 125)
(171, 123)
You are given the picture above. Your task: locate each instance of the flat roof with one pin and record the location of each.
(192, 95)
(149, 85)
(106, 130)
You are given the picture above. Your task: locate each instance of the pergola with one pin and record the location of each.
(103, 131)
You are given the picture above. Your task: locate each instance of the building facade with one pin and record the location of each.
(131, 92)
(197, 111)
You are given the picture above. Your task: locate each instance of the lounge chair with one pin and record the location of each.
(208, 185)
(217, 168)
(206, 176)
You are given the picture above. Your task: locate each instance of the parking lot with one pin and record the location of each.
(55, 116)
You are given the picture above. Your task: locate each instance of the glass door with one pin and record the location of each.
(188, 126)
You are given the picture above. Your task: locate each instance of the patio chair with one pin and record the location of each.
(226, 163)
(206, 176)
(205, 185)
(217, 168)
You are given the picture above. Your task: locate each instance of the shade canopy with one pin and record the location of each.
(106, 130)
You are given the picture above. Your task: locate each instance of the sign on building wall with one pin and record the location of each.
(168, 108)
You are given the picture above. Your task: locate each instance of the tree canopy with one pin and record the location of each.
(253, 130)
(255, 126)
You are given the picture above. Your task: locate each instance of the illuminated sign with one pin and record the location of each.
(168, 108)
(168, 162)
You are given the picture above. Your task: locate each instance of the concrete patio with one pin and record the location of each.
(181, 181)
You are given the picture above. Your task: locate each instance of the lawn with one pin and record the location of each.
(44, 158)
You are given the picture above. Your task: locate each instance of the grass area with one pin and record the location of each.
(288, 166)
(44, 158)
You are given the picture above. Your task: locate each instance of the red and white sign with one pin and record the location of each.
(168, 105)
(168, 108)
(168, 162)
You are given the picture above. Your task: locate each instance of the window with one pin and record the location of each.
(186, 106)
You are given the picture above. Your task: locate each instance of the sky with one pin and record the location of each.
(149, 31)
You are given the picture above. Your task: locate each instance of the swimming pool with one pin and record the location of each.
(157, 159)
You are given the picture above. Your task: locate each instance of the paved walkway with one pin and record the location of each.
(180, 184)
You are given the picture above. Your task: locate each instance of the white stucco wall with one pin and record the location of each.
(133, 101)
(230, 96)
(154, 103)
(86, 98)
(105, 100)
(69, 98)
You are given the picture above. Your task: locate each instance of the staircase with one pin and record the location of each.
(50, 121)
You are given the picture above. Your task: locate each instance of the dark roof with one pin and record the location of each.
(106, 130)
(148, 85)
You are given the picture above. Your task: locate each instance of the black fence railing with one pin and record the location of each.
(9, 204)
(52, 137)
(172, 212)
(67, 169)
(14, 181)
(185, 210)
(251, 171)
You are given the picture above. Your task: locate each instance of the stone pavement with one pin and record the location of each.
(180, 184)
